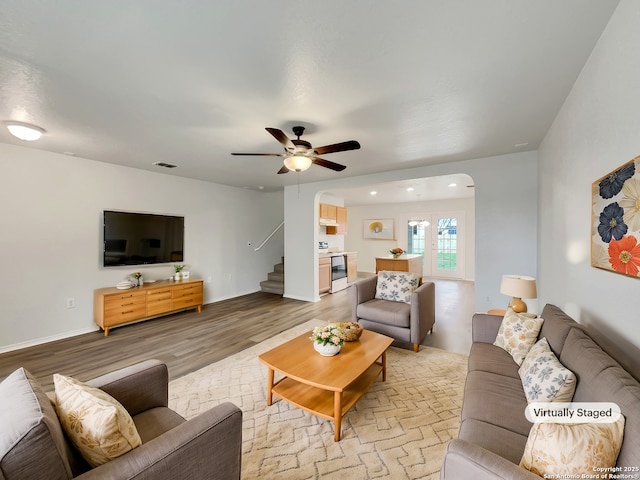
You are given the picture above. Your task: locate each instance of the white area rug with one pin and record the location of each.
(397, 430)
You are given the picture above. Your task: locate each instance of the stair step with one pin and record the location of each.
(276, 277)
(279, 268)
(270, 286)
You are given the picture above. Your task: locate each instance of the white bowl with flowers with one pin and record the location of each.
(327, 339)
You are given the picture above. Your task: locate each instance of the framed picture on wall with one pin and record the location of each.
(615, 222)
(378, 229)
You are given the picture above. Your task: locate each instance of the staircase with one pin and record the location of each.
(275, 280)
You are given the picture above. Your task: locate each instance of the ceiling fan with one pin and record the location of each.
(299, 154)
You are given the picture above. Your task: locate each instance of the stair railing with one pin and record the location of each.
(269, 237)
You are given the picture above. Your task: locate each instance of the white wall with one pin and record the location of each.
(595, 132)
(369, 249)
(51, 213)
(505, 223)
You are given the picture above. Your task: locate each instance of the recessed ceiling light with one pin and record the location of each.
(453, 185)
(518, 145)
(373, 192)
(410, 189)
(24, 131)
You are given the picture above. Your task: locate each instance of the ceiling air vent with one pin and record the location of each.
(165, 165)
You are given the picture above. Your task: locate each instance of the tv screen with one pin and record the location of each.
(142, 238)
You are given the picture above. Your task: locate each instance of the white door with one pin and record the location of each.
(439, 238)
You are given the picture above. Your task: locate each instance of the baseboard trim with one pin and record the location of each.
(51, 338)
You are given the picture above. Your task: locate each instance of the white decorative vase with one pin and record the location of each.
(177, 276)
(328, 350)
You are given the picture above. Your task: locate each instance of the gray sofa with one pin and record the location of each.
(408, 323)
(493, 430)
(33, 445)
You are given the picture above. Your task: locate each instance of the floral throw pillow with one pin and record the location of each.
(396, 286)
(518, 332)
(95, 422)
(544, 378)
(572, 449)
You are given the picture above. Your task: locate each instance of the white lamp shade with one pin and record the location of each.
(24, 131)
(518, 286)
(297, 163)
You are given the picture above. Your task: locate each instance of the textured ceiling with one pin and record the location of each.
(187, 83)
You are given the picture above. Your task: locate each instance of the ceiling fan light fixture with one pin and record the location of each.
(24, 131)
(297, 163)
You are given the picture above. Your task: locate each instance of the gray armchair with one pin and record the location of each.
(33, 445)
(404, 322)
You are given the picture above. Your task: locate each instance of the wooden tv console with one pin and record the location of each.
(113, 307)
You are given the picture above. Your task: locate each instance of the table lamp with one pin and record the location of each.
(518, 287)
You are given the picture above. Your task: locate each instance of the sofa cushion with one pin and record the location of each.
(573, 449)
(498, 440)
(486, 357)
(382, 311)
(602, 379)
(154, 422)
(396, 286)
(497, 400)
(518, 332)
(556, 327)
(97, 424)
(544, 378)
(32, 441)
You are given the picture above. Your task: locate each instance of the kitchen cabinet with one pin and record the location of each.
(352, 267)
(324, 275)
(341, 219)
(328, 211)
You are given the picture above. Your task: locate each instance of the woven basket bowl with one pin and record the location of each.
(352, 331)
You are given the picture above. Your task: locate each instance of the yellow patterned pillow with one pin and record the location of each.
(553, 449)
(97, 424)
(518, 332)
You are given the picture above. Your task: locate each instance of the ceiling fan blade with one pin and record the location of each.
(337, 147)
(283, 170)
(282, 138)
(326, 163)
(262, 154)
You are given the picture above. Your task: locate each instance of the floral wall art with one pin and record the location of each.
(615, 235)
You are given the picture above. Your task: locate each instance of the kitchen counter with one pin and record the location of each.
(406, 256)
(335, 254)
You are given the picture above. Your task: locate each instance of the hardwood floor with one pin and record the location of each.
(188, 341)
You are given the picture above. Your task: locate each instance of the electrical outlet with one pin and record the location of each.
(209, 279)
(71, 303)
(229, 277)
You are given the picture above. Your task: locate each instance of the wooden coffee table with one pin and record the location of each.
(326, 386)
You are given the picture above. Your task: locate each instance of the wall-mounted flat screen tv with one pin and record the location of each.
(142, 238)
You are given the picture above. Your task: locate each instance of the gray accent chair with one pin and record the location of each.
(34, 446)
(408, 323)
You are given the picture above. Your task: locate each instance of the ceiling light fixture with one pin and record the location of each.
(409, 189)
(297, 163)
(451, 185)
(373, 193)
(24, 131)
(419, 221)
